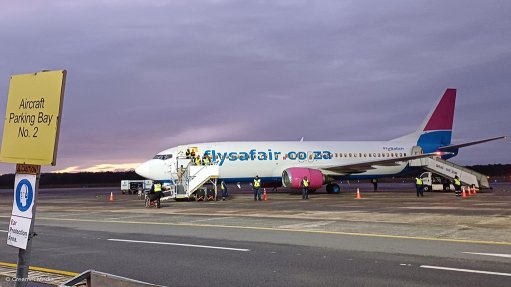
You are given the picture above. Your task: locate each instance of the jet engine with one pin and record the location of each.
(292, 177)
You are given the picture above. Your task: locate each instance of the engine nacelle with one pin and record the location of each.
(292, 177)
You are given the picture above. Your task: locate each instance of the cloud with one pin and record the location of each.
(99, 168)
(147, 75)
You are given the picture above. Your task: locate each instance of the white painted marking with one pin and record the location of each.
(466, 270)
(490, 254)
(208, 219)
(179, 244)
(4, 231)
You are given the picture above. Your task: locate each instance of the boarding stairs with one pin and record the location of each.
(193, 177)
(450, 170)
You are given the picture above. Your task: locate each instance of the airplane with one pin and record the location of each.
(285, 163)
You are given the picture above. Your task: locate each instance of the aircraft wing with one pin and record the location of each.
(368, 165)
(455, 147)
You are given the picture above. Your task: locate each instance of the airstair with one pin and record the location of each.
(187, 179)
(450, 170)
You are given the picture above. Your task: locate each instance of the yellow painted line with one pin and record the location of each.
(52, 271)
(286, 230)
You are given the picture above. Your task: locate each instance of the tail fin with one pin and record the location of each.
(436, 129)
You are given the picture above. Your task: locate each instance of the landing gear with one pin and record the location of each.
(333, 188)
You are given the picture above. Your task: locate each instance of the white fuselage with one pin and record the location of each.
(241, 161)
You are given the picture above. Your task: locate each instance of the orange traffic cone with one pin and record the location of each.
(469, 193)
(474, 191)
(463, 194)
(265, 198)
(358, 194)
(111, 196)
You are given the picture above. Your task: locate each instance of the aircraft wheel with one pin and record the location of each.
(426, 188)
(335, 188)
(329, 188)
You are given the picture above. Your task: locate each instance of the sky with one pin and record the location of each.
(144, 76)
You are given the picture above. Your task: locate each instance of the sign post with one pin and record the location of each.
(30, 138)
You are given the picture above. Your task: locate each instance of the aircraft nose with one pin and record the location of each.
(143, 170)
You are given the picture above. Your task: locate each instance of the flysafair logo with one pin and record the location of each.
(394, 148)
(253, 154)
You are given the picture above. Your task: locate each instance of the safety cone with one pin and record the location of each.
(463, 194)
(358, 194)
(474, 191)
(111, 196)
(469, 193)
(265, 197)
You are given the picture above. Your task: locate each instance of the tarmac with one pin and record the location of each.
(392, 213)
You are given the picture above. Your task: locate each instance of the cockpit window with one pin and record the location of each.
(162, 156)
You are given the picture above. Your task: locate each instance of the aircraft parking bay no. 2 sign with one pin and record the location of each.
(32, 118)
(30, 139)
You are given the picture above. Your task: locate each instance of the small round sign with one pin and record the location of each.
(24, 195)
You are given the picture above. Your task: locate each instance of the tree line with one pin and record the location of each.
(79, 179)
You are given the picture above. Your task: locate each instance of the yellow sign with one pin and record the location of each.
(32, 118)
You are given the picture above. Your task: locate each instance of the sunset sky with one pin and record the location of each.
(144, 76)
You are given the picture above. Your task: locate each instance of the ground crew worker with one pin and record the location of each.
(257, 186)
(187, 154)
(375, 184)
(223, 187)
(155, 193)
(305, 188)
(418, 186)
(197, 160)
(206, 159)
(457, 186)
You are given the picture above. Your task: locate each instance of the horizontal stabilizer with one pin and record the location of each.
(455, 147)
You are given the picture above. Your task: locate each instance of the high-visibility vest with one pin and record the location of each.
(197, 161)
(157, 187)
(257, 182)
(457, 181)
(305, 183)
(222, 185)
(206, 160)
(418, 181)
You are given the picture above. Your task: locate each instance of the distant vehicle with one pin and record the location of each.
(134, 186)
(323, 162)
(435, 182)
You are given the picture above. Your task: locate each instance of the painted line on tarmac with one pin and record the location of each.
(47, 270)
(490, 254)
(465, 270)
(209, 219)
(179, 244)
(4, 231)
(284, 230)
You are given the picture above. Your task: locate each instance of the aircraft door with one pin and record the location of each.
(416, 150)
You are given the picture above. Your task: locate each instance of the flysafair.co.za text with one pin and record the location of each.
(267, 155)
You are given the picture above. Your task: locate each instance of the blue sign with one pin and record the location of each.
(24, 195)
